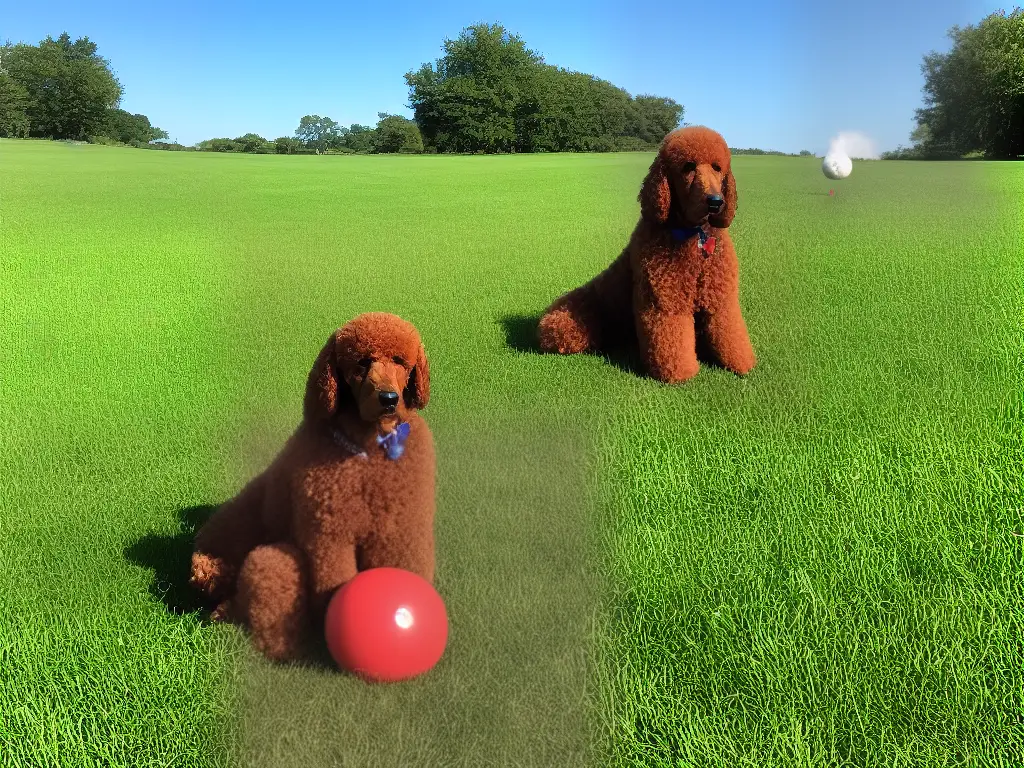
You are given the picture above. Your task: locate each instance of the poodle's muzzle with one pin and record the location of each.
(388, 401)
(715, 204)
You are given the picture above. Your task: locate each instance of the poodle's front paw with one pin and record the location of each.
(210, 575)
(674, 371)
(742, 363)
(677, 377)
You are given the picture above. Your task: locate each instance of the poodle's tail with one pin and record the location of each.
(592, 316)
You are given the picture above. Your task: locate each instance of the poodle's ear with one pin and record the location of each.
(417, 391)
(724, 218)
(322, 386)
(655, 194)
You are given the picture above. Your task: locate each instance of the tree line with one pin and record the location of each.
(973, 94)
(61, 89)
(487, 93)
(490, 93)
(322, 135)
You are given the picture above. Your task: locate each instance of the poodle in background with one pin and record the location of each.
(675, 287)
(352, 489)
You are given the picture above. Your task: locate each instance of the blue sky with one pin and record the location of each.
(788, 76)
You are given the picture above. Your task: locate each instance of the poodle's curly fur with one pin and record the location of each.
(665, 292)
(333, 502)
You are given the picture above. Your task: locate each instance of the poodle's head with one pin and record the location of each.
(690, 181)
(374, 365)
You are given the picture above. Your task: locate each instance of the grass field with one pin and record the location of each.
(818, 565)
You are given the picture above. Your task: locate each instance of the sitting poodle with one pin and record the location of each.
(675, 287)
(353, 488)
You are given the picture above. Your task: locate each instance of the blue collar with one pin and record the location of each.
(707, 240)
(682, 235)
(393, 443)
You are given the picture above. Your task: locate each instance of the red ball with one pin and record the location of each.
(386, 624)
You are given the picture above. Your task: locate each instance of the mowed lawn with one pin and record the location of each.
(818, 565)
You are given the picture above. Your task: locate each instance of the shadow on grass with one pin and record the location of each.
(169, 557)
(521, 336)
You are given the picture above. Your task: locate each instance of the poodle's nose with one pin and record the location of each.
(715, 203)
(388, 399)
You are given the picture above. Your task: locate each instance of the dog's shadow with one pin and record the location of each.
(521, 335)
(170, 559)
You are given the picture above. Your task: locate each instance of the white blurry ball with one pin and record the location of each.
(836, 165)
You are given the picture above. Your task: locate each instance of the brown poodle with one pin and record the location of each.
(675, 287)
(353, 488)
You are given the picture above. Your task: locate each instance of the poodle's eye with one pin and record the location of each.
(399, 360)
(365, 364)
(717, 167)
(689, 167)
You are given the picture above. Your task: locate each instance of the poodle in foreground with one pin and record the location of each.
(675, 287)
(352, 489)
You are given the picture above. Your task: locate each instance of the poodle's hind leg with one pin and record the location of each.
(226, 538)
(272, 600)
(571, 325)
(587, 318)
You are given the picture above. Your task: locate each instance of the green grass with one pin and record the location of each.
(817, 565)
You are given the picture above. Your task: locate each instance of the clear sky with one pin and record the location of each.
(788, 76)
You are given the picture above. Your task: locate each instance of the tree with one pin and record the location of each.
(655, 117)
(361, 138)
(320, 133)
(397, 134)
(14, 121)
(126, 127)
(219, 145)
(479, 94)
(69, 87)
(490, 93)
(253, 142)
(974, 94)
(287, 145)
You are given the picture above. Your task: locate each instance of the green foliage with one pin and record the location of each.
(66, 88)
(478, 94)
(288, 145)
(106, 141)
(126, 127)
(490, 93)
(250, 142)
(974, 94)
(173, 146)
(254, 143)
(654, 117)
(14, 100)
(904, 153)
(219, 145)
(398, 134)
(773, 152)
(361, 138)
(320, 133)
